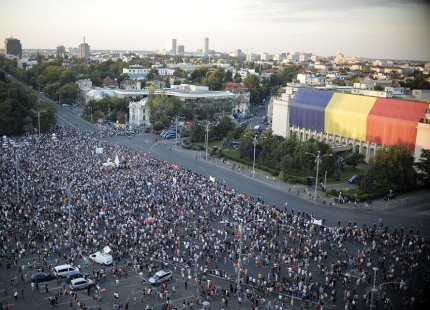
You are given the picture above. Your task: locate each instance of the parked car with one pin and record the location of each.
(102, 257)
(76, 275)
(64, 270)
(80, 283)
(170, 136)
(354, 179)
(160, 276)
(38, 277)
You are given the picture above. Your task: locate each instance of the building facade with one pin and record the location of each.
(205, 47)
(84, 51)
(350, 122)
(12, 46)
(138, 113)
(192, 96)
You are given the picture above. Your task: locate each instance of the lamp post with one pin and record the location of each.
(17, 176)
(318, 158)
(69, 232)
(254, 141)
(373, 290)
(207, 141)
(176, 132)
(239, 263)
(38, 121)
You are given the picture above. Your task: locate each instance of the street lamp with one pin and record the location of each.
(254, 141)
(239, 263)
(373, 290)
(68, 191)
(17, 176)
(318, 158)
(176, 132)
(207, 141)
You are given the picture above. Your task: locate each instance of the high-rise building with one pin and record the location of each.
(60, 50)
(12, 46)
(84, 50)
(171, 47)
(205, 47)
(180, 50)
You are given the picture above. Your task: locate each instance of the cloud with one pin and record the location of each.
(305, 10)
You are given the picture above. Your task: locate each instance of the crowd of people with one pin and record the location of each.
(65, 203)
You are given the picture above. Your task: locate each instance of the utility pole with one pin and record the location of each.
(253, 162)
(17, 177)
(239, 263)
(176, 132)
(38, 121)
(373, 290)
(207, 140)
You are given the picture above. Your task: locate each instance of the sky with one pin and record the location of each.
(396, 29)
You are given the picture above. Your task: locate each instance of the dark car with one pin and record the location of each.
(38, 277)
(355, 179)
(77, 274)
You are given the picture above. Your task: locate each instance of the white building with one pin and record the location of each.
(265, 57)
(138, 113)
(84, 50)
(171, 47)
(310, 79)
(180, 50)
(138, 72)
(205, 47)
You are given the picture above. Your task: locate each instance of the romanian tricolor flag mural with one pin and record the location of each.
(376, 120)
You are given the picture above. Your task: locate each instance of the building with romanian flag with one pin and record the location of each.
(358, 123)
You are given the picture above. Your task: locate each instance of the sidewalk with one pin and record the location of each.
(379, 204)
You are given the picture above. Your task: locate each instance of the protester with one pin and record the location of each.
(73, 201)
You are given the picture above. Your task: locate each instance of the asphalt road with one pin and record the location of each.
(411, 214)
(278, 193)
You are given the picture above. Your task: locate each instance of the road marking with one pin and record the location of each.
(173, 300)
(131, 285)
(129, 278)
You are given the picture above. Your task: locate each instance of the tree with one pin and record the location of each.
(68, 93)
(423, 166)
(48, 119)
(153, 74)
(163, 109)
(15, 108)
(355, 159)
(213, 80)
(251, 81)
(392, 168)
(198, 132)
(221, 130)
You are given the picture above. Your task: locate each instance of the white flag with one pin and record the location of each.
(212, 179)
(116, 160)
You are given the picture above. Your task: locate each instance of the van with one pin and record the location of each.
(64, 270)
(102, 257)
(160, 276)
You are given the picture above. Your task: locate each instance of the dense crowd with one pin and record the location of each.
(152, 214)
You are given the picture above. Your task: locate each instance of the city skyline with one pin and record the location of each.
(372, 29)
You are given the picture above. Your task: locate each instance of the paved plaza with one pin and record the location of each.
(76, 194)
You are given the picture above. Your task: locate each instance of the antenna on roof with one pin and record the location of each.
(84, 39)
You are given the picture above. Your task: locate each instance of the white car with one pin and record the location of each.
(64, 270)
(102, 257)
(160, 276)
(80, 283)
